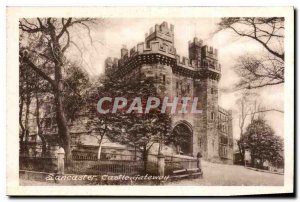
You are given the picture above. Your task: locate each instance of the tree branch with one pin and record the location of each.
(68, 42)
(38, 71)
(65, 27)
(281, 56)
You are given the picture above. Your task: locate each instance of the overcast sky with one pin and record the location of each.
(109, 37)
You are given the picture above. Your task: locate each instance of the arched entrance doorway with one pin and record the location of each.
(183, 138)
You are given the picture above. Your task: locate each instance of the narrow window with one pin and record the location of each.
(188, 88)
(164, 79)
(212, 91)
(212, 115)
(177, 85)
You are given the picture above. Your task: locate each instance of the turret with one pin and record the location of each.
(195, 51)
(124, 52)
(162, 33)
(108, 65)
(208, 51)
(209, 57)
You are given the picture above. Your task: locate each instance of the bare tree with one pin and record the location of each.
(244, 110)
(259, 71)
(47, 40)
(249, 109)
(268, 68)
(257, 111)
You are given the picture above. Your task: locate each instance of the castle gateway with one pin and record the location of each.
(209, 132)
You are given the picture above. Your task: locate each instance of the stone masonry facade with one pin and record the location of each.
(195, 76)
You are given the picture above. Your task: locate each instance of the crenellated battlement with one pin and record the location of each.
(162, 32)
(196, 42)
(209, 51)
(111, 61)
(111, 64)
(155, 47)
(162, 28)
(157, 42)
(185, 62)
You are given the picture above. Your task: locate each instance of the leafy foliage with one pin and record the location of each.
(77, 85)
(259, 138)
(135, 129)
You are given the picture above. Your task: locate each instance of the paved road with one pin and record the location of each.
(232, 175)
(215, 175)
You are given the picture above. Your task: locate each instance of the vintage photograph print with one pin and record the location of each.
(169, 101)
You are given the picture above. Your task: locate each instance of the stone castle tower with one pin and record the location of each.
(195, 76)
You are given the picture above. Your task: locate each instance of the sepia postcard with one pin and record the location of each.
(150, 101)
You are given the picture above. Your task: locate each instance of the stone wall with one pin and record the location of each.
(196, 76)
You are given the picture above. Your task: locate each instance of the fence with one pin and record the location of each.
(109, 163)
(42, 164)
(104, 167)
(120, 164)
(105, 156)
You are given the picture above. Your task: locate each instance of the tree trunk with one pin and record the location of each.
(63, 130)
(25, 142)
(239, 143)
(44, 145)
(22, 149)
(21, 138)
(261, 163)
(135, 153)
(99, 150)
(160, 147)
(26, 149)
(242, 152)
(145, 158)
(252, 161)
(40, 133)
(62, 123)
